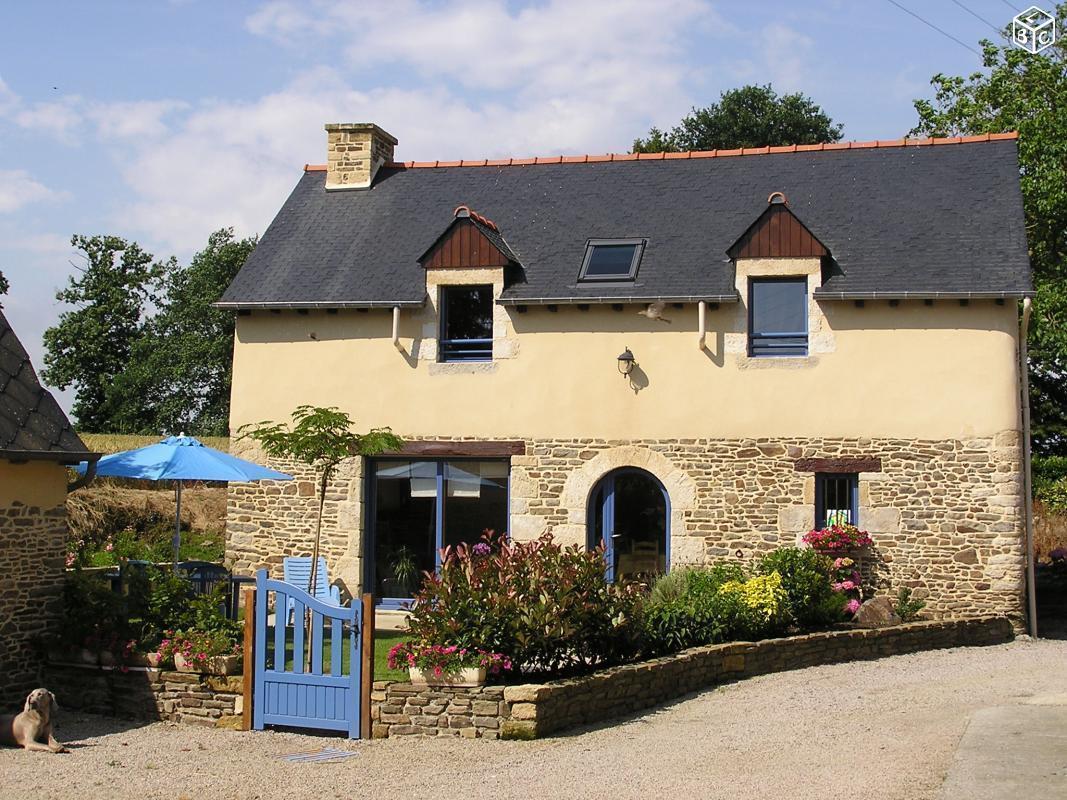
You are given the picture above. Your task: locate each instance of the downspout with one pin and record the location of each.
(84, 480)
(702, 309)
(396, 327)
(1028, 503)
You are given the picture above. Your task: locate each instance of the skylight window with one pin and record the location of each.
(611, 259)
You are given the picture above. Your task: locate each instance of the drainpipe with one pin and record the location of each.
(83, 480)
(396, 327)
(702, 309)
(1028, 502)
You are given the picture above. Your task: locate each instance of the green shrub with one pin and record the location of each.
(546, 607)
(807, 578)
(1049, 476)
(907, 606)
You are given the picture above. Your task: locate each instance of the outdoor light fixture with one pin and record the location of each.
(626, 362)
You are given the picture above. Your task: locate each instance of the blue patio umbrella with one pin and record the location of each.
(181, 458)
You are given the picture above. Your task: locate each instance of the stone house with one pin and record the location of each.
(689, 357)
(37, 443)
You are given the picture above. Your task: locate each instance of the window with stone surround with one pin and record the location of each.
(778, 317)
(836, 499)
(466, 323)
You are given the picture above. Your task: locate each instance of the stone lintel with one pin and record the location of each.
(839, 465)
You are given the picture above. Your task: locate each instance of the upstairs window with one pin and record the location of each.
(611, 260)
(466, 323)
(836, 499)
(778, 317)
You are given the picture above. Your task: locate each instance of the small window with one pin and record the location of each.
(466, 323)
(836, 499)
(778, 317)
(611, 259)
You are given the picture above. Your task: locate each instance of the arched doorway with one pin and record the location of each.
(630, 512)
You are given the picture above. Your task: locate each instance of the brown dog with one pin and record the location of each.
(32, 728)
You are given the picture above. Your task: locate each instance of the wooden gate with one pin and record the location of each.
(306, 675)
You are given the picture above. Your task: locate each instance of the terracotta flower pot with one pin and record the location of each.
(223, 665)
(183, 664)
(466, 677)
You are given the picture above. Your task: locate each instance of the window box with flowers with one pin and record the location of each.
(206, 652)
(440, 665)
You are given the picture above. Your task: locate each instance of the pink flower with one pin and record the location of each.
(852, 606)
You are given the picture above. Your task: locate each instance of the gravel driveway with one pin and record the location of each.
(880, 729)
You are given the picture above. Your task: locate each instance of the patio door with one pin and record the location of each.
(419, 507)
(629, 512)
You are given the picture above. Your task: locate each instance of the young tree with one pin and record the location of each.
(180, 368)
(4, 286)
(752, 116)
(1020, 91)
(91, 345)
(321, 438)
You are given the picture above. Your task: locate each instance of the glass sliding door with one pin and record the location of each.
(419, 507)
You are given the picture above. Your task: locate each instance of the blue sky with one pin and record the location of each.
(162, 121)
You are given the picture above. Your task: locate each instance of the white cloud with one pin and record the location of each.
(786, 56)
(124, 120)
(59, 119)
(18, 188)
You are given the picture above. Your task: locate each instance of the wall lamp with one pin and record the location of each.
(626, 362)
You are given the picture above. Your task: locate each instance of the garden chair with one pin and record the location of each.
(297, 571)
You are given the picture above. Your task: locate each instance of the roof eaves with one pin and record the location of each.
(1013, 294)
(267, 305)
(608, 299)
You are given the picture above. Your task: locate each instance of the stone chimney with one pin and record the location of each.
(354, 153)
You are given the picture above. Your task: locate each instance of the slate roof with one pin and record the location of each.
(901, 219)
(32, 425)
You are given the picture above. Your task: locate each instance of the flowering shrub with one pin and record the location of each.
(837, 539)
(808, 580)
(545, 607)
(196, 646)
(849, 582)
(439, 660)
(764, 598)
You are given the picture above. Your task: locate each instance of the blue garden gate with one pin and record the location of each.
(286, 691)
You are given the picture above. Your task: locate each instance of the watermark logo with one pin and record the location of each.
(1033, 30)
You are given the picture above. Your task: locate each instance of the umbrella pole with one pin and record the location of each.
(176, 542)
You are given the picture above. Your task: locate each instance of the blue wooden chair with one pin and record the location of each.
(296, 570)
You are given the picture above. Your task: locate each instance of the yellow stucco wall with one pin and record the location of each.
(912, 371)
(33, 483)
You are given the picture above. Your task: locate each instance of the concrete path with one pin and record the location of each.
(1012, 753)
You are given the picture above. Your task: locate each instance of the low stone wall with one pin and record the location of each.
(401, 709)
(144, 693)
(531, 711)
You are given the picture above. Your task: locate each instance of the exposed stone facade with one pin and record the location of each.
(530, 711)
(354, 154)
(144, 693)
(32, 551)
(945, 515)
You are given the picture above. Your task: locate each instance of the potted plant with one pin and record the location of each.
(207, 652)
(446, 665)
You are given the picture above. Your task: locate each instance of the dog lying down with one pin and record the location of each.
(32, 728)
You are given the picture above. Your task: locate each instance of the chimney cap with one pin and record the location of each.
(354, 127)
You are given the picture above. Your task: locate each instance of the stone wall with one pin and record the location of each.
(32, 552)
(945, 515)
(144, 693)
(531, 711)
(401, 709)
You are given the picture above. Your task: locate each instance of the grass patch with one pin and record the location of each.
(383, 641)
(108, 443)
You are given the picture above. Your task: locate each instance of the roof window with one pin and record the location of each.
(611, 259)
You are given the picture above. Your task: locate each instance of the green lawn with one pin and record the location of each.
(383, 640)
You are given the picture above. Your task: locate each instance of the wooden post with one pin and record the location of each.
(249, 657)
(367, 654)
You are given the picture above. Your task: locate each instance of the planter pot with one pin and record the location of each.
(214, 665)
(153, 659)
(467, 677)
(184, 665)
(87, 656)
(224, 665)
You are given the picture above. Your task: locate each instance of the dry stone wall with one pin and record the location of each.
(32, 553)
(945, 515)
(532, 711)
(145, 693)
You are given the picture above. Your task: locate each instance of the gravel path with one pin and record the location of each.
(880, 729)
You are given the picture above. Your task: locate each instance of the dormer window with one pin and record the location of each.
(778, 317)
(611, 260)
(466, 323)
